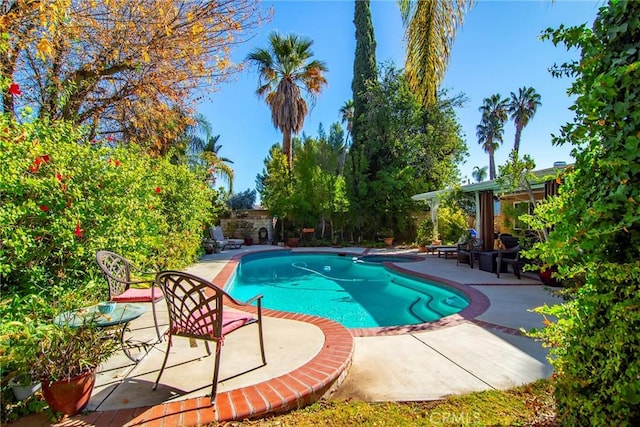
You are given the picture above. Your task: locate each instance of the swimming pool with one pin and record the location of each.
(342, 288)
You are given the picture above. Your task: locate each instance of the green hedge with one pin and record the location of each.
(63, 197)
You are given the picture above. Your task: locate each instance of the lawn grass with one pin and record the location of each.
(528, 405)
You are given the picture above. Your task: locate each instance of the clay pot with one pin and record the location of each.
(388, 241)
(545, 276)
(293, 242)
(71, 395)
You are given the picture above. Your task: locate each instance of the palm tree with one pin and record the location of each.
(522, 108)
(202, 151)
(346, 111)
(285, 69)
(490, 129)
(479, 173)
(430, 29)
(218, 166)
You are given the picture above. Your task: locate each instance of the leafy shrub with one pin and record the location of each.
(595, 228)
(452, 223)
(63, 198)
(425, 232)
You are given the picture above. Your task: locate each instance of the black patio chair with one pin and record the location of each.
(469, 250)
(511, 257)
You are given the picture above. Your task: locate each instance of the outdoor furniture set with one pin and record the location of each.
(495, 261)
(196, 308)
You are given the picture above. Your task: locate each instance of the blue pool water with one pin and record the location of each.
(354, 293)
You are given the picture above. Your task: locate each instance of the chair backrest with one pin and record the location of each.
(512, 253)
(216, 233)
(195, 305)
(508, 240)
(117, 271)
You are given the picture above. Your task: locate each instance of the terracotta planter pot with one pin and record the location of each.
(293, 242)
(248, 241)
(545, 277)
(388, 241)
(71, 395)
(422, 248)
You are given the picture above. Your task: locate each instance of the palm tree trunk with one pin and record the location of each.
(516, 144)
(286, 147)
(492, 166)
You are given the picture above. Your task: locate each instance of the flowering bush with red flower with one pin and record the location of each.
(62, 200)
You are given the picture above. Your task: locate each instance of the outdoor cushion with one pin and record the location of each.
(231, 320)
(139, 295)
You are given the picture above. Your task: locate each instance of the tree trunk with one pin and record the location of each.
(286, 147)
(492, 166)
(516, 144)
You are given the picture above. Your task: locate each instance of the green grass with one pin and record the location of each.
(528, 405)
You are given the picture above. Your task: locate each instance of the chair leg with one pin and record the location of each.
(155, 322)
(261, 338)
(498, 266)
(164, 363)
(216, 366)
(206, 345)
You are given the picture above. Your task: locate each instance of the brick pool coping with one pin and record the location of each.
(296, 389)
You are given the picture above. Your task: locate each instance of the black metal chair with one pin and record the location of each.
(117, 271)
(511, 257)
(196, 311)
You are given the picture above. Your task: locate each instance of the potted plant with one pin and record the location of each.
(424, 235)
(247, 233)
(18, 348)
(387, 235)
(66, 362)
(210, 245)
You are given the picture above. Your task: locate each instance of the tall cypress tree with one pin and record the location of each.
(364, 70)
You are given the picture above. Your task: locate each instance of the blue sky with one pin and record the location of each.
(496, 51)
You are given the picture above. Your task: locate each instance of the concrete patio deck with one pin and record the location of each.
(307, 356)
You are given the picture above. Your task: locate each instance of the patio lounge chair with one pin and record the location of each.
(196, 311)
(216, 234)
(117, 271)
(511, 257)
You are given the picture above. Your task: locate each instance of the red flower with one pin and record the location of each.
(59, 177)
(158, 190)
(78, 231)
(44, 208)
(45, 158)
(115, 162)
(14, 89)
(110, 138)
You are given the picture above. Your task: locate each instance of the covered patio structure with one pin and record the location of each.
(490, 201)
